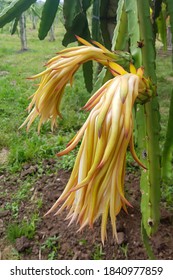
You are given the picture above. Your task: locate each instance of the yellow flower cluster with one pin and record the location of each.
(96, 185)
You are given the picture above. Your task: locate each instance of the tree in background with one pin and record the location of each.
(18, 24)
(22, 29)
(131, 37)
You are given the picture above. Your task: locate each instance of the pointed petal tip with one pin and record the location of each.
(47, 213)
(128, 203)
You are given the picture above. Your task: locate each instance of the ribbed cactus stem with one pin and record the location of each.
(150, 181)
(134, 36)
(107, 20)
(120, 36)
(96, 33)
(133, 31)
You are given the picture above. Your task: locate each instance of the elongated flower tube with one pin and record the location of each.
(96, 185)
(60, 71)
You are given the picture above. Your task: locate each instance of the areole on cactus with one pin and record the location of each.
(96, 184)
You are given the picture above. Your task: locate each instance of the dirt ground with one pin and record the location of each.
(79, 245)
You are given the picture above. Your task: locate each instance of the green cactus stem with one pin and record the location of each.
(133, 31)
(150, 180)
(120, 36)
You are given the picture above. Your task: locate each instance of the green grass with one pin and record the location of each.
(124, 249)
(51, 244)
(25, 228)
(19, 196)
(98, 253)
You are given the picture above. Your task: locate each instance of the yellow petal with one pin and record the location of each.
(132, 69)
(83, 41)
(100, 46)
(117, 69)
(140, 72)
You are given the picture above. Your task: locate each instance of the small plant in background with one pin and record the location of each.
(39, 203)
(82, 242)
(25, 228)
(52, 245)
(98, 253)
(13, 207)
(18, 197)
(14, 231)
(124, 249)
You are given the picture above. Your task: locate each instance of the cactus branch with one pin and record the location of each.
(150, 181)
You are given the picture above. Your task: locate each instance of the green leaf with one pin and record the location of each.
(88, 75)
(100, 79)
(14, 25)
(35, 12)
(104, 7)
(157, 7)
(120, 36)
(71, 9)
(86, 4)
(79, 27)
(14, 10)
(105, 33)
(47, 18)
(105, 19)
(96, 32)
(76, 22)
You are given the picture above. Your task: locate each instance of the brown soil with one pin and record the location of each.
(79, 245)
